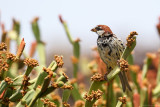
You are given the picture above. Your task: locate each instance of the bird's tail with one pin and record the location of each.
(124, 81)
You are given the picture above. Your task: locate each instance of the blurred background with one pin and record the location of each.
(121, 16)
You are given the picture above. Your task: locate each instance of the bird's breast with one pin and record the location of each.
(110, 50)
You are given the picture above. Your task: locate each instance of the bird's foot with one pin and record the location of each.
(105, 76)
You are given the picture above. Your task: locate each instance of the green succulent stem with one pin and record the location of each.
(66, 94)
(145, 67)
(42, 54)
(35, 97)
(110, 95)
(143, 96)
(43, 74)
(76, 53)
(28, 71)
(3, 86)
(35, 29)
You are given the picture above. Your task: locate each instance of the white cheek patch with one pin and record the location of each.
(100, 32)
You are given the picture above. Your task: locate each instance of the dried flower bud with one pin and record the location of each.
(158, 26)
(66, 77)
(94, 95)
(32, 49)
(47, 70)
(26, 81)
(122, 99)
(20, 48)
(54, 85)
(3, 27)
(77, 40)
(5, 101)
(31, 62)
(97, 77)
(123, 65)
(67, 87)
(35, 19)
(97, 94)
(49, 103)
(56, 97)
(88, 97)
(11, 56)
(25, 85)
(8, 80)
(79, 103)
(134, 68)
(60, 18)
(130, 38)
(101, 102)
(73, 80)
(151, 55)
(3, 46)
(65, 104)
(4, 66)
(59, 60)
(74, 60)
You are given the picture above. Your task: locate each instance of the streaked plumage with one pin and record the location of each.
(110, 49)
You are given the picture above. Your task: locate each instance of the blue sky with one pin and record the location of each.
(123, 16)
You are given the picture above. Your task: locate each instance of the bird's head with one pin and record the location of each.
(102, 30)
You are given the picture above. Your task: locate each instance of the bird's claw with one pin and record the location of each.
(105, 77)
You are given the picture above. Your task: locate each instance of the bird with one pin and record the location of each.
(110, 49)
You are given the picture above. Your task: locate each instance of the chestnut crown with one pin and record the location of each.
(102, 30)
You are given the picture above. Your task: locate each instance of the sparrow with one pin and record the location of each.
(110, 49)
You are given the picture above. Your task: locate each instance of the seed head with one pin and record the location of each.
(74, 60)
(131, 39)
(67, 87)
(66, 104)
(94, 95)
(4, 66)
(49, 103)
(151, 55)
(123, 65)
(122, 99)
(11, 56)
(31, 62)
(59, 60)
(8, 80)
(65, 76)
(3, 46)
(77, 40)
(72, 81)
(54, 85)
(79, 103)
(56, 97)
(134, 68)
(97, 77)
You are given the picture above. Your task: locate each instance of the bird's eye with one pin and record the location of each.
(97, 28)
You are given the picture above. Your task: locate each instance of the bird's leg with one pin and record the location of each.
(105, 76)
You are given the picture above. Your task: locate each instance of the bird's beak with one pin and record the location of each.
(93, 30)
